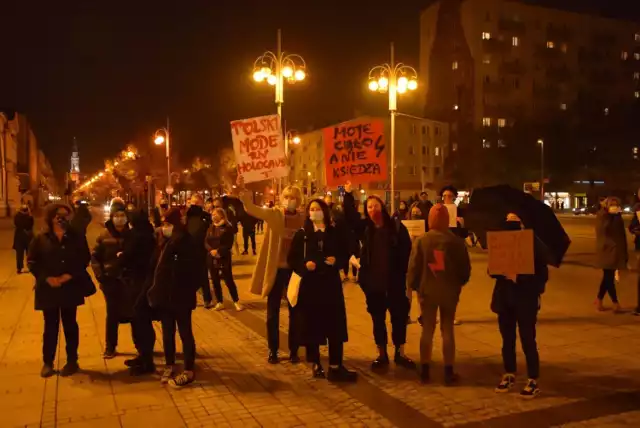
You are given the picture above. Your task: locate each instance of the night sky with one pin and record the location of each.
(109, 72)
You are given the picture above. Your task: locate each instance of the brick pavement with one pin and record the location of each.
(589, 368)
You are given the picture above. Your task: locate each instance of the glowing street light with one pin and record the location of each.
(162, 136)
(393, 79)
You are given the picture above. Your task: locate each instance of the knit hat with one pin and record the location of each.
(173, 216)
(117, 205)
(439, 217)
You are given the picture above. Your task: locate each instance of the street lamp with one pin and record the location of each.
(163, 136)
(541, 142)
(292, 137)
(275, 68)
(394, 79)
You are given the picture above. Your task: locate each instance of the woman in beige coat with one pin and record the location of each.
(272, 272)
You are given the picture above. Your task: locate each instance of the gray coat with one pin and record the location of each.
(611, 241)
(439, 267)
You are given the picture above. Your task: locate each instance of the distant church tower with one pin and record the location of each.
(75, 162)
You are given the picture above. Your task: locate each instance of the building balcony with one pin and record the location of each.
(512, 27)
(559, 34)
(512, 67)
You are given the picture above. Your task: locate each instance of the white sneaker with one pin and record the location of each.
(219, 307)
(238, 306)
(167, 375)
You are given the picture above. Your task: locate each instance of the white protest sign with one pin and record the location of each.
(416, 228)
(453, 214)
(511, 253)
(259, 148)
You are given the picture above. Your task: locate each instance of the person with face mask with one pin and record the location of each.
(198, 222)
(438, 269)
(516, 301)
(22, 235)
(403, 211)
(107, 268)
(218, 245)
(272, 273)
(384, 260)
(172, 294)
(611, 250)
(58, 258)
(317, 252)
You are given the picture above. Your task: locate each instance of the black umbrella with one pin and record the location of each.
(489, 207)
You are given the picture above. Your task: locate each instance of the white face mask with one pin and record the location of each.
(167, 231)
(614, 210)
(292, 204)
(119, 221)
(316, 216)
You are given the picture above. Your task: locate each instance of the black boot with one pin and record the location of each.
(133, 362)
(342, 374)
(273, 357)
(403, 361)
(142, 369)
(382, 362)
(450, 377)
(293, 357)
(424, 373)
(318, 371)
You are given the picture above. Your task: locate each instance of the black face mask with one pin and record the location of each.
(512, 225)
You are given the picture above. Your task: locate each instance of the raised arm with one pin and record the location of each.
(269, 215)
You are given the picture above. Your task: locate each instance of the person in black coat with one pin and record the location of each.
(517, 304)
(135, 262)
(384, 260)
(353, 246)
(58, 258)
(218, 244)
(248, 232)
(317, 252)
(22, 235)
(232, 218)
(81, 217)
(108, 270)
(172, 294)
(198, 222)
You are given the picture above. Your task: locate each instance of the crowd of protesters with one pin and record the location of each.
(307, 253)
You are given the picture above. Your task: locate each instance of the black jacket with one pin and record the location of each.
(50, 257)
(23, 233)
(398, 245)
(172, 286)
(198, 222)
(81, 219)
(105, 262)
(248, 222)
(320, 312)
(219, 238)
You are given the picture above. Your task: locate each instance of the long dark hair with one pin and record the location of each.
(308, 224)
(385, 214)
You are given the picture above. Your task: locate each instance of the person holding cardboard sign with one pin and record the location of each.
(516, 301)
(272, 273)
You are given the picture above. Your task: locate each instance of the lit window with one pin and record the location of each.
(486, 121)
(455, 107)
(636, 94)
(486, 144)
(637, 37)
(486, 59)
(624, 55)
(454, 65)
(563, 106)
(454, 147)
(515, 41)
(550, 44)
(502, 123)
(501, 144)
(606, 111)
(635, 150)
(636, 56)
(486, 36)
(437, 152)
(563, 48)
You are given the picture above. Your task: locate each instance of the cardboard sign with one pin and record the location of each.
(453, 214)
(259, 148)
(355, 151)
(511, 253)
(416, 228)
